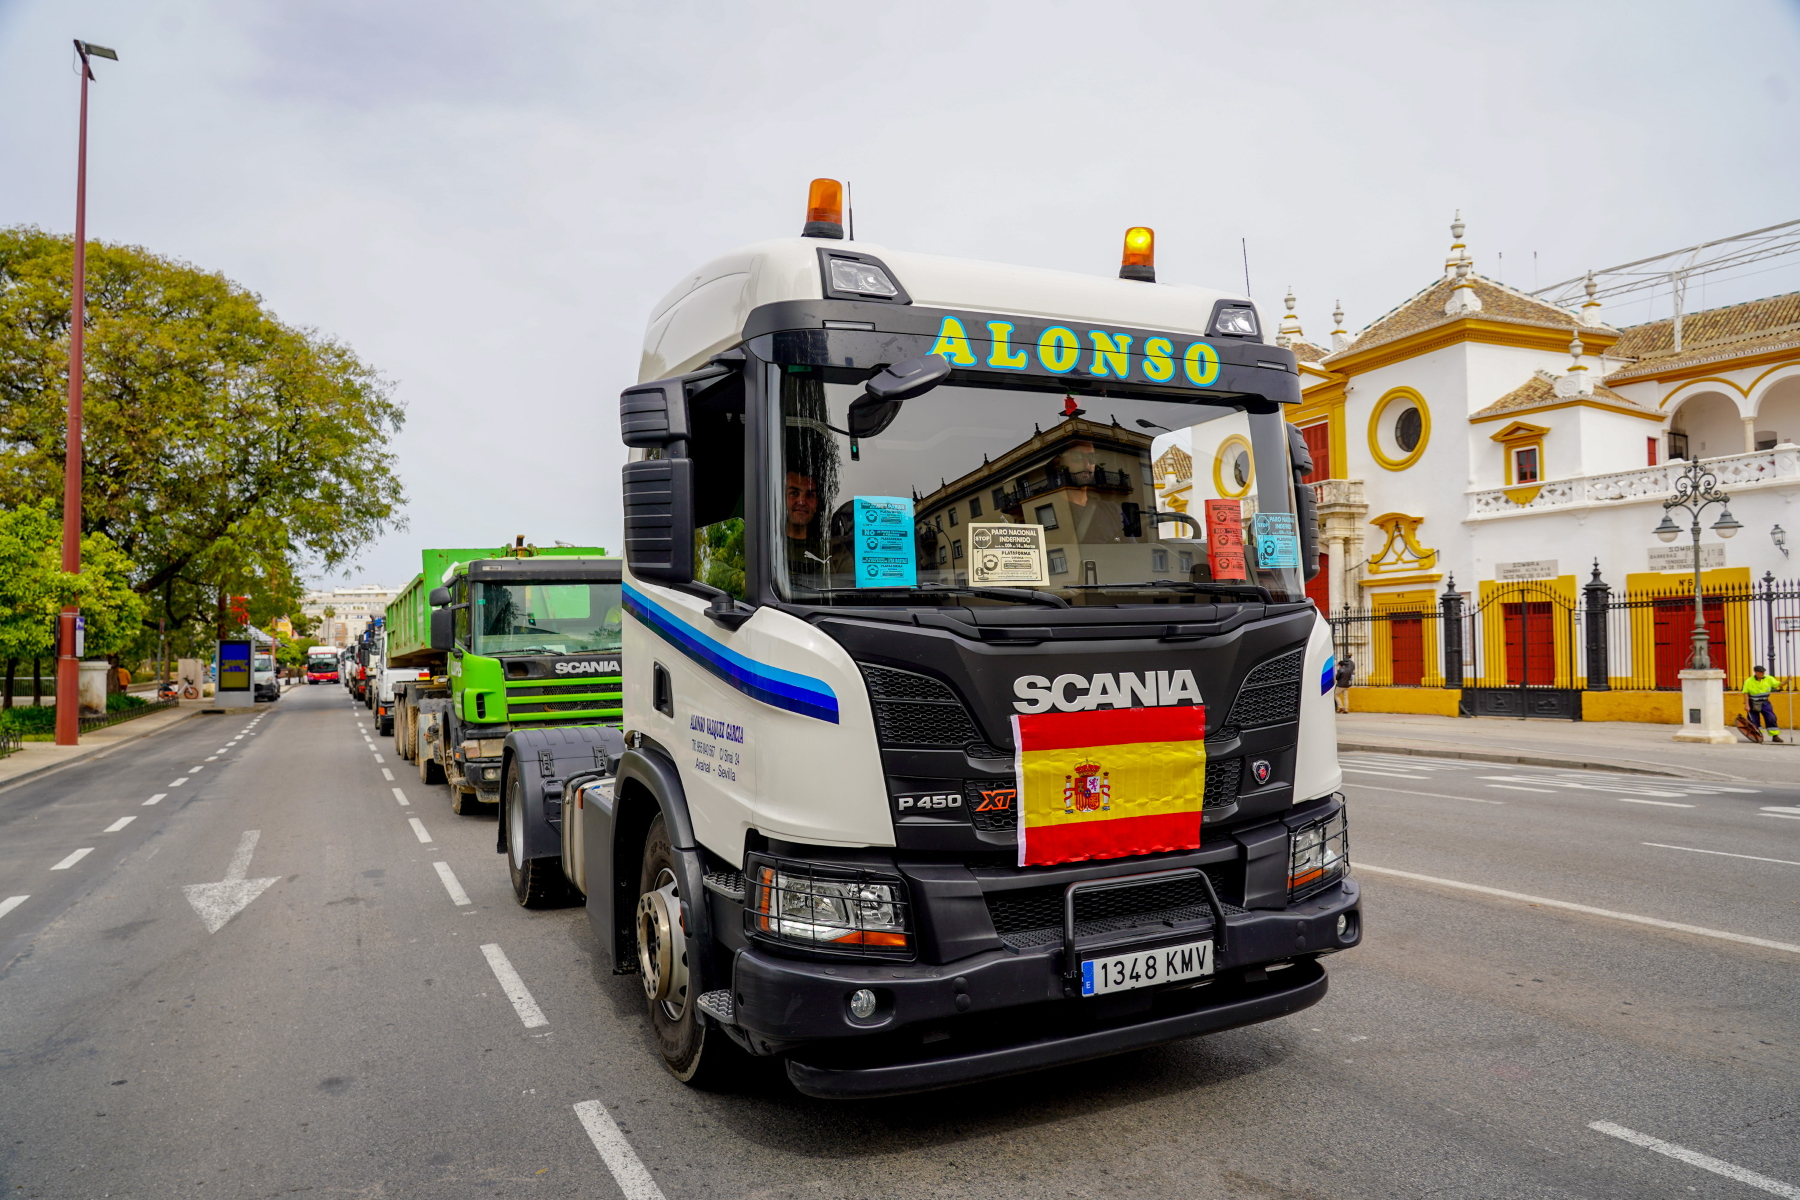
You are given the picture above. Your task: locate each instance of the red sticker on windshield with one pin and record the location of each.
(1225, 539)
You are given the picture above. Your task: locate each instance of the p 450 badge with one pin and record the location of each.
(925, 802)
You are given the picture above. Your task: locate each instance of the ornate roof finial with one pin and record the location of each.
(1462, 297)
(1290, 331)
(1458, 251)
(1579, 381)
(1590, 312)
(1340, 337)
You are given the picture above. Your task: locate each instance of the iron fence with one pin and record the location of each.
(1543, 636)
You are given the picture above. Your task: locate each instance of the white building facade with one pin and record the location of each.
(351, 608)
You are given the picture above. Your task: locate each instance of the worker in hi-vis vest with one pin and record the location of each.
(1756, 697)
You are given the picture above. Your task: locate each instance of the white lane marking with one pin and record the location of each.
(74, 858)
(514, 987)
(154, 799)
(119, 824)
(419, 829)
(401, 797)
(1694, 1158)
(1545, 902)
(1434, 795)
(1513, 787)
(628, 1170)
(387, 774)
(178, 782)
(1776, 808)
(1658, 803)
(380, 759)
(213, 758)
(1724, 854)
(195, 770)
(1784, 816)
(1386, 774)
(10, 903)
(1590, 785)
(457, 895)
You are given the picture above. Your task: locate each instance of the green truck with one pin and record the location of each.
(505, 639)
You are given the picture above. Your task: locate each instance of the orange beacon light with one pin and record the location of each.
(1139, 261)
(824, 209)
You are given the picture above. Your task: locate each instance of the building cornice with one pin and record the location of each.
(1692, 369)
(1582, 402)
(1483, 330)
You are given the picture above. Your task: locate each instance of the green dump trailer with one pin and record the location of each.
(504, 639)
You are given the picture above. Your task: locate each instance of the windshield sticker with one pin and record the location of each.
(1225, 539)
(1276, 537)
(1060, 349)
(884, 542)
(1007, 555)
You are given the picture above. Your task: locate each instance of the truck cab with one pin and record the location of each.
(975, 716)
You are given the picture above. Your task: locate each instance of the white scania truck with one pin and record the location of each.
(975, 717)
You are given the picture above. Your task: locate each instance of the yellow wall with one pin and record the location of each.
(1437, 702)
(1643, 620)
(1559, 593)
(1664, 708)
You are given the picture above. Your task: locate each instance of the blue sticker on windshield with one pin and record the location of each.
(1277, 539)
(884, 542)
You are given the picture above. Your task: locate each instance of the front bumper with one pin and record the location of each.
(1004, 1011)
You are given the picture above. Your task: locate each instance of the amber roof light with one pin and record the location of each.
(1139, 261)
(824, 210)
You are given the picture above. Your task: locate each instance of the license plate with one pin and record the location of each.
(1145, 968)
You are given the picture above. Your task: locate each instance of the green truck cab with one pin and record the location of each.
(510, 639)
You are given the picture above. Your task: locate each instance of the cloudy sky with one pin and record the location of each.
(485, 199)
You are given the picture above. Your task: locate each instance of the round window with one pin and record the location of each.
(1240, 468)
(1407, 429)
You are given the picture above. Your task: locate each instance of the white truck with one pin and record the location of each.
(975, 716)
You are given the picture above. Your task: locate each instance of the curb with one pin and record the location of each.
(1523, 760)
(98, 752)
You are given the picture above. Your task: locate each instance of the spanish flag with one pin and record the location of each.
(1109, 783)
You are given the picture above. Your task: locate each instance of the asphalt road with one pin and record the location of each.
(351, 1029)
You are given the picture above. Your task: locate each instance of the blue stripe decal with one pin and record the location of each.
(783, 689)
(1328, 677)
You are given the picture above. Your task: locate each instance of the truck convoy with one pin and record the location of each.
(513, 638)
(975, 717)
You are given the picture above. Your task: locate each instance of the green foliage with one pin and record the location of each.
(719, 553)
(35, 721)
(225, 450)
(34, 588)
(293, 653)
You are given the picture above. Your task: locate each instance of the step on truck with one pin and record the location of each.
(975, 716)
(510, 638)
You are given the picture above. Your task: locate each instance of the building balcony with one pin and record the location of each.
(1100, 479)
(1763, 468)
(1339, 493)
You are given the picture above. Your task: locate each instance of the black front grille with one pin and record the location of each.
(1222, 775)
(605, 687)
(597, 704)
(993, 803)
(917, 710)
(1270, 694)
(1034, 916)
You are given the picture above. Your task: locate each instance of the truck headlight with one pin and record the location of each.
(828, 909)
(1234, 320)
(1318, 855)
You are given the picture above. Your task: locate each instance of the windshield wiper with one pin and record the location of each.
(1180, 585)
(1023, 595)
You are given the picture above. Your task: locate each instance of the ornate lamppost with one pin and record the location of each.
(1702, 685)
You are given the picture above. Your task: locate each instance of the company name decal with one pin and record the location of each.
(1062, 349)
(1082, 693)
(589, 666)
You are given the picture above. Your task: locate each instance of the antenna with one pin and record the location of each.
(1244, 243)
(849, 210)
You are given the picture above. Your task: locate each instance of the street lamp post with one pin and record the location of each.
(1702, 685)
(68, 662)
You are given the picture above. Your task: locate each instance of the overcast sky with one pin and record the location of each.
(486, 199)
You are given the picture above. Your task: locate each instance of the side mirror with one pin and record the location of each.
(659, 519)
(653, 414)
(439, 597)
(443, 629)
(876, 409)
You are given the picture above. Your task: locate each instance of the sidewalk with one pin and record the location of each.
(1589, 745)
(38, 758)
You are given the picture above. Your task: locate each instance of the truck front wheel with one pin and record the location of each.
(695, 1052)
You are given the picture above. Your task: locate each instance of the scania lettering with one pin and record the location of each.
(975, 716)
(503, 639)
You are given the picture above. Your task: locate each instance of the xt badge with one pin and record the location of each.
(1260, 770)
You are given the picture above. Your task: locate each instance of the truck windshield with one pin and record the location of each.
(546, 618)
(1010, 491)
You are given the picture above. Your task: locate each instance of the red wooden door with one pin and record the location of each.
(1530, 644)
(1406, 650)
(1318, 444)
(1318, 588)
(1675, 636)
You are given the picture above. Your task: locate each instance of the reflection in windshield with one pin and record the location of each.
(1034, 489)
(546, 618)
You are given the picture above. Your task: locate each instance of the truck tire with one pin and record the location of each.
(466, 802)
(429, 770)
(696, 1053)
(536, 882)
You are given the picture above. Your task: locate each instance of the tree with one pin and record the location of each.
(34, 588)
(225, 450)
